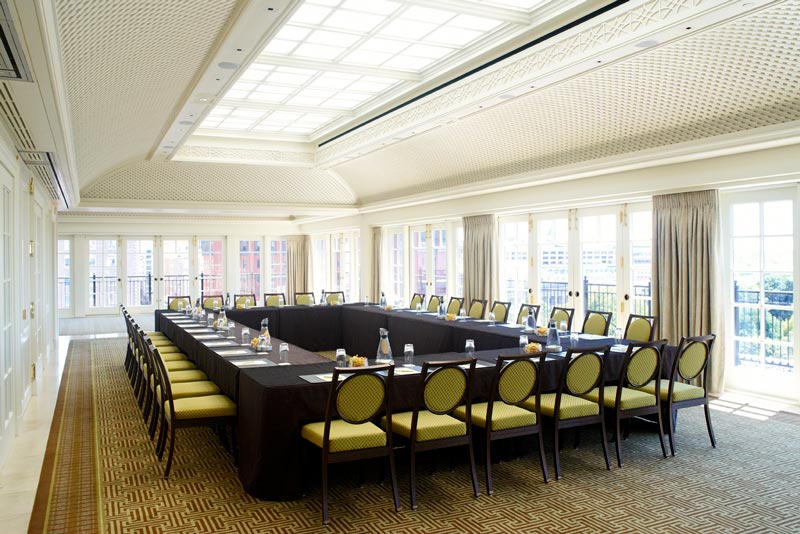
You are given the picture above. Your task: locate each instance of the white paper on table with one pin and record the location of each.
(619, 348)
(220, 343)
(327, 377)
(510, 325)
(591, 336)
(251, 363)
(207, 336)
(234, 352)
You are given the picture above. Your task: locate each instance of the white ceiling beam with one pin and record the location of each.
(272, 59)
(267, 106)
(477, 9)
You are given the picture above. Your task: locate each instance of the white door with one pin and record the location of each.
(429, 260)
(177, 265)
(36, 281)
(104, 276)
(555, 269)
(140, 276)
(597, 286)
(64, 299)
(210, 266)
(8, 387)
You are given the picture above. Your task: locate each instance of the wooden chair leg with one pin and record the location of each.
(154, 422)
(671, 416)
(618, 439)
(171, 451)
(708, 424)
(325, 517)
(412, 476)
(661, 433)
(556, 454)
(475, 489)
(393, 475)
(542, 459)
(605, 442)
(489, 490)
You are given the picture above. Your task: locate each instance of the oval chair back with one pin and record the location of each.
(562, 314)
(274, 299)
(596, 322)
(212, 302)
(455, 305)
(476, 309)
(640, 328)
(244, 301)
(173, 303)
(500, 311)
(334, 297)
(433, 303)
(528, 309)
(416, 298)
(304, 299)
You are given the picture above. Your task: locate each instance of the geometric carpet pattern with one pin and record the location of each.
(750, 483)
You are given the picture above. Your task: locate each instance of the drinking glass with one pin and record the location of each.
(463, 314)
(341, 358)
(231, 329)
(573, 339)
(617, 335)
(245, 336)
(491, 319)
(523, 342)
(210, 319)
(284, 353)
(469, 348)
(419, 308)
(408, 353)
(180, 306)
(562, 326)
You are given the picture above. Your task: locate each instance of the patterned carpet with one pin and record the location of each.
(749, 484)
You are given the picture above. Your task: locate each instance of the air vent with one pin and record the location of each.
(43, 164)
(12, 61)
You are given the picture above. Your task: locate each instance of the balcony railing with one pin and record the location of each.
(103, 291)
(601, 297)
(771, 348)
(140, 290)
(64, 292)
(176, 285)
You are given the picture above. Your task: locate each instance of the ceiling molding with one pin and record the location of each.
(247, 156)
(562, 57)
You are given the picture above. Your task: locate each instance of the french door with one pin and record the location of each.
(104, 276)
(762, 352)
(177, 265)
(8, 372)
(429, 260)
(210, 266)
(595, 259)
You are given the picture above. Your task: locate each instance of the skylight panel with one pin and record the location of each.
(404, 62)
(409, 29)
(331, 80)
(366, 57)
(210, 123)
(316, 118)
(288, 78)
(306, 100)
(296, 130)
(519, 4)
(279, 46)
(324, 93)
(317, 51)
(358, 97)
(339, 103)
(292, 33)
(427, 14)
(258, 96)
(379, 7)
(483, 24)
(235, 93)
(369, 87)
(285, 115)
(220, 111)
(236, 124)
(310, 14)
(276, 89)
(256, 72)
(244, 86)
(353, 20)
(266, 128)
(453, 36)
(324, 2)
(384, 45)
(421, 50)
(330, 38)
(244, 113)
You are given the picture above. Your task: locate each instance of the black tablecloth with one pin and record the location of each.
(252, 317)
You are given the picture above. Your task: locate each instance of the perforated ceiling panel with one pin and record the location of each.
(210, 182)
(126, 66)
(728, 79)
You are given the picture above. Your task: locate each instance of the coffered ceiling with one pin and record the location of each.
(356, 103)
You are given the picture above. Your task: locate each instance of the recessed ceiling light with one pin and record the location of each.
(507, 96)
(202, 99)
(228, 65)
(646, 44)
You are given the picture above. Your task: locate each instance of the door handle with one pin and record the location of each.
(570, 293)
(577, 293)
(626, 296)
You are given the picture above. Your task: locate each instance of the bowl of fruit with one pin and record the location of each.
(358, 361)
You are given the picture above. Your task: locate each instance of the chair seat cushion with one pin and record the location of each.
(173, 357)
(430, 426)
(194, 375)
(167, 349)
(182, 390)
(345, 436)
(681, 392)
(181, 365)
(630, 399)
(571, 406)
(504, 416)
(203, 407)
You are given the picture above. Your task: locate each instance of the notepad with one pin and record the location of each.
(207, 336)
(257, 362)
(234, 352)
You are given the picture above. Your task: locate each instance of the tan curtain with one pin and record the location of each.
(377, 252)
(686, 297)
(297, 265)
(480, 258)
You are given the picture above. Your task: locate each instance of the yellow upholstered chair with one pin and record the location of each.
(334, 297)
(500, 311)
(247, 300)
(528, 309)
(455, 305)
(433, 303)
(417, 298)
(640, 328)
(431, 424)
(348, 432)
(516, 379)
(212, 302)
(304, 298)
(596, 322)
(562, 314)
(206, 410)
(275, 299)
(687, 385)
(476, 308)
(174, 302)
(641, 367)
(568, 407)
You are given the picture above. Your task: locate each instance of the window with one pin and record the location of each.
(277, 266)
(514, 262)
(250, 266)
(103, 273)
(396, 265)
(211, 261)
(553, 248)
(320, 264)
(598, 238)
(342, 265)
(640, 225)
(460, 261)
(64, 276)
(419, 262)
(139, 276)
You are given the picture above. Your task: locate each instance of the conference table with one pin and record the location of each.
(275, 401)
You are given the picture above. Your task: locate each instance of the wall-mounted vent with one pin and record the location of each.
(12, 61)
(44, 166)
(23, 138)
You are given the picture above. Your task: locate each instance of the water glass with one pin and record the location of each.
(231, 329)
(245, 336)
(180, 306)
(408, 353)
(284, 353)
(492, 319)
(469, 348)
(463, 314)
(617, 335)
(419, 308)
(210, 319)
(573, 339)
(341, 358)
(523, 342)
(562, 326)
